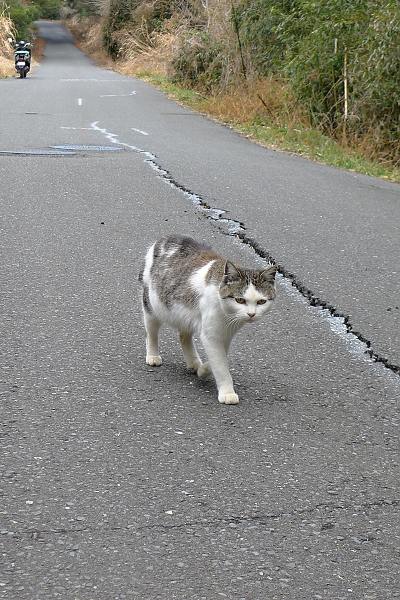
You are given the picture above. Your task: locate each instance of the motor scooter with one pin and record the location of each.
(22, 62)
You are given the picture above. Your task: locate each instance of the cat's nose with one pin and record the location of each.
(251, 315)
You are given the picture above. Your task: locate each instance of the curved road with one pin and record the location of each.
(123, 481)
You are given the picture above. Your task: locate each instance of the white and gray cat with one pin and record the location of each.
(189, 287)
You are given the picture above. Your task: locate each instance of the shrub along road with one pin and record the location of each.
(125, 481)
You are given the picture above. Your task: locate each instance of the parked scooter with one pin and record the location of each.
(22, 58)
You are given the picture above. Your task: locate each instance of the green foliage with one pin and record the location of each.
(24, 14)
(22, 17)
(49, 9)
(376, 77)
(268, 30)
(308, 42)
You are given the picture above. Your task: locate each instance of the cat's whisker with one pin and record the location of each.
(234, 323)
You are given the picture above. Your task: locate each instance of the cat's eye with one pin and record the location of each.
(261, 301)
(240, 300)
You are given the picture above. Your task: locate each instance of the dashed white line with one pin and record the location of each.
(92, 79)
(113, 138)
(139, 131)
(133, 93)
(80, 101)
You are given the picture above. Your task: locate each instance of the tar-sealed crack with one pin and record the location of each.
(315, 301)
(322, 509)
(215, 214)
(339, 322)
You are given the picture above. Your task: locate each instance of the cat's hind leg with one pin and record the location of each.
(152, 325)
(192, 358)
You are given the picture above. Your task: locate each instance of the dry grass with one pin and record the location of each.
(7, 68)
(38, 50)
(374, 146)
(154, 54)
(6, 31)
(6, 50)
(219, 23)
(255, 100)
(268, 104)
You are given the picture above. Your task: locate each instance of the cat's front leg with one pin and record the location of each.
(218, 361)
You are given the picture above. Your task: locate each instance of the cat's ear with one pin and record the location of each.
(231, 273)
(269, 273)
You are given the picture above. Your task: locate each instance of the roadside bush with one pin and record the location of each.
(376, 83)
(308, 42)
(199, 61)
(23, 15)
(268, 30)
(48, 9)
(140, 19)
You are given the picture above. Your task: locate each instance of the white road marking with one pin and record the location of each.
(80, 101)
(118, 95)
(113, 138)
(94, 79)
(78, 128)
(139, 131)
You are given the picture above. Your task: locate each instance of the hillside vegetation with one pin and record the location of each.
(22, 14)
(300, 64)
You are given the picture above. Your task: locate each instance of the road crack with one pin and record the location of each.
(324, 509)
(234, 228)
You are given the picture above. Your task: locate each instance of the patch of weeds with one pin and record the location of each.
(313, 144)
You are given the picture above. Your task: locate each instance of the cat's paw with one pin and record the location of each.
(203, 369)
(231, 398)
(193, 365)
(153, 360)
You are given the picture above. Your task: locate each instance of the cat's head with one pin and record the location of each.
(247, 295)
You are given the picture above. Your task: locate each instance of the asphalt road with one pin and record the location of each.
(123, 481)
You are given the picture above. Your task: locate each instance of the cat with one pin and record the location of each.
(189, 287)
